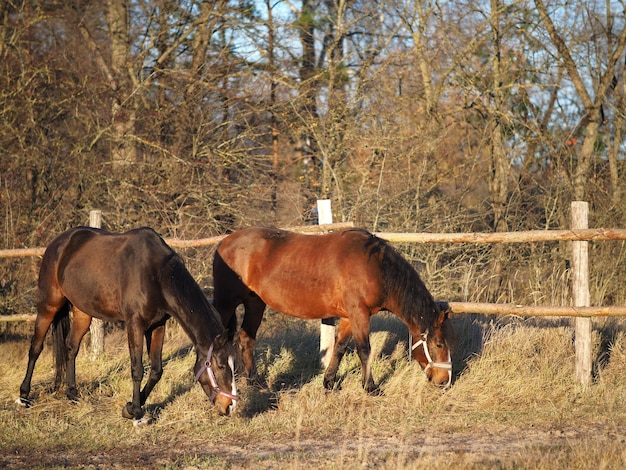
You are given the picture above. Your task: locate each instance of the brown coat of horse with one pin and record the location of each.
(350, 274)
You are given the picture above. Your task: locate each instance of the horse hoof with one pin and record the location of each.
(126, 412)
(23, 402)
(374, 392)
(329, 385)
(141, 422)
(72, 395)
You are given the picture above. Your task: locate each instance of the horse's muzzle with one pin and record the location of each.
(225, 407)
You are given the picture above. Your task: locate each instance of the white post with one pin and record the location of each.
(580, 293)
(327, 327)
(97, 326)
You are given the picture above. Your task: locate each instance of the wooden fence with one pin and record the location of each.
(579, 235)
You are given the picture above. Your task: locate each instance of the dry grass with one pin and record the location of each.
(514, 404)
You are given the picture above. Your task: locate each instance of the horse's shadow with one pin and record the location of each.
(469, 341)
(153, 408)
(470, 331)
(302, 344)
(295, 345)
(609, 333)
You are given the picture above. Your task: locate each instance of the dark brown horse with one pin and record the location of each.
(133, 277)
(350, 274)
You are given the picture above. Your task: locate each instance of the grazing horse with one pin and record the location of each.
(350, 274)
(136, 278)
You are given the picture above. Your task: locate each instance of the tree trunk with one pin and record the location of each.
(123, 109)
(499, 165)
(587, 151)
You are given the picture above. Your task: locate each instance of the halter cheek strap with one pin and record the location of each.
(216, 390)
(438, 365)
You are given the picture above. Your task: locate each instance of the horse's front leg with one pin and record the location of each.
(342, 338)
(254, 309)
(80, 326)
(365, 355)
(154, 342)
(246, 345)
(133, 410)
(361, 334)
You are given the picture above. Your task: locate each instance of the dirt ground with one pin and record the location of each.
(492, 448)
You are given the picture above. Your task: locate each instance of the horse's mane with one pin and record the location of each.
(188, 294)
(401, 281)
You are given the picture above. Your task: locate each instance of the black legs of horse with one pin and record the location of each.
(154, 344)
(342, 338)
(60, 323)
(135, 345)
(254, 308)
(154, 341)
(80, 326)
(67, 344)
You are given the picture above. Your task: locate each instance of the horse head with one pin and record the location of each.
(431, 349)
(216, 374)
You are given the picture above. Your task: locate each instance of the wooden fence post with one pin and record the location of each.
(580, 293)
(97, 326)
(327, 326)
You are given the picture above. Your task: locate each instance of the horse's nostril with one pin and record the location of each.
(445, 383)
(225, 410)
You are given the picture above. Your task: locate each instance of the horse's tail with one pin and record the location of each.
(60, 331)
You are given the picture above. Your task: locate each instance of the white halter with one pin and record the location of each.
(439, 365)
(216, 389)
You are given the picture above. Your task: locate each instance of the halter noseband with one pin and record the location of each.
(438, 365)
(212, 381)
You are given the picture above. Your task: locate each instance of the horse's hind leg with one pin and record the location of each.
(45, 315)
(80, 326)
(342, 338)
(154, 342)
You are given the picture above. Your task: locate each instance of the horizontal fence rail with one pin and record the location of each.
(527, 236)
(393, 237)
(532, 310)
(458, 308)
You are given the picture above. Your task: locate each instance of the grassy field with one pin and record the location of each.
(514, 404)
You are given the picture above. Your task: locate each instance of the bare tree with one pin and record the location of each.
(592, 102)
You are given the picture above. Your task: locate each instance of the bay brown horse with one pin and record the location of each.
(136, 278)
(350, 274)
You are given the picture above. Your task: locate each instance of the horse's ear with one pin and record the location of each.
(444, 313)
(220, 340)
